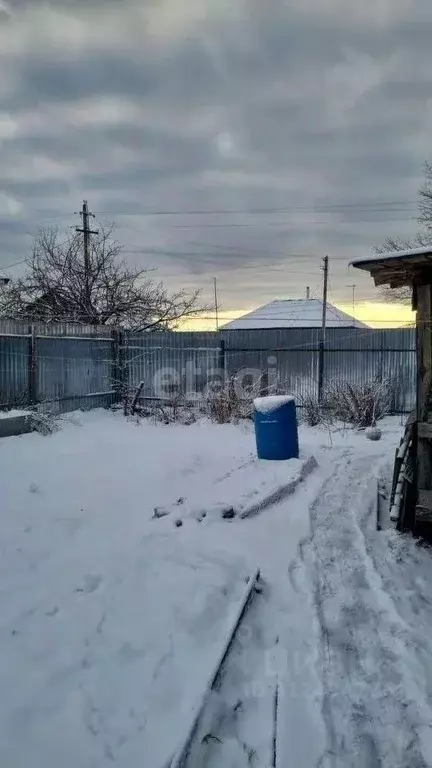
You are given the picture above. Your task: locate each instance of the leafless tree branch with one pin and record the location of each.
(54, 288)
(423, 238)
(425, 202)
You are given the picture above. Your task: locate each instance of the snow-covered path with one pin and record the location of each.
(375, 706)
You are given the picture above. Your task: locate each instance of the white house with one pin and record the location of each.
(293, 313)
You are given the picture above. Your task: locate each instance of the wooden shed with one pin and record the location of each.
(414, 268)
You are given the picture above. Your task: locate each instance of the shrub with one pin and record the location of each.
(225, 405)
(357, 405)
(44, 423)
(360, 405)
(311, 411)
(19, 400)
(176, 410)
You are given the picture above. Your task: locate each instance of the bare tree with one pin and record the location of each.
(403, 295)
(58, 287)
(425, 202)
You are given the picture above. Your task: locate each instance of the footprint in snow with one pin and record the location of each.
(128, 654)
(91, 583)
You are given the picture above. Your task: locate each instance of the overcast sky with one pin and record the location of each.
(313, 115)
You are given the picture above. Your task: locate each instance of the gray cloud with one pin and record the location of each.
(314, 109)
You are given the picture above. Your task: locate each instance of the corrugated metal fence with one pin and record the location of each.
(70, 366)
(63, 365)
(172, 362)
(354, 355)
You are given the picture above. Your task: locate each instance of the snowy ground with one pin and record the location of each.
(110, 619)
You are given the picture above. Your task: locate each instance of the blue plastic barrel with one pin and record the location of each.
(276, 430)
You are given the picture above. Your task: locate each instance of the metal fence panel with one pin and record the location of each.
(361, 356)
(75, 372)
(272, 339)
(287, 357)
(184, 361)
(400, 339)
(353, 355)
(14, 375)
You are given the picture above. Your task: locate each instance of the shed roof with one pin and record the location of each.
(397, 268)
(293, 313)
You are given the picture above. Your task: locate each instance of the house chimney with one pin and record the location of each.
(308, 292)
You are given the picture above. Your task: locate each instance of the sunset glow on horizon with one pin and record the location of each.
(372, 313)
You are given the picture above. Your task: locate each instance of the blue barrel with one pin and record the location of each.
(276, 430)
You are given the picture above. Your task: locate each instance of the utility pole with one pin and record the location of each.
(216, 303)
(353, 286)
(86, 231)
(323, 331)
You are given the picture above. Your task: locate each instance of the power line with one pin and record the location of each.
(15, 264)
(236, 251)
(246, 250)
(296, 223)
(365, 206)
(228, 269)
(250, 268)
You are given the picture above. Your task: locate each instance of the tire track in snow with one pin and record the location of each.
(369, 704)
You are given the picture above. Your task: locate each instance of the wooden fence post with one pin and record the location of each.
(32, 363)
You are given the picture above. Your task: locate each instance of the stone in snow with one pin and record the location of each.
(373, 433)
